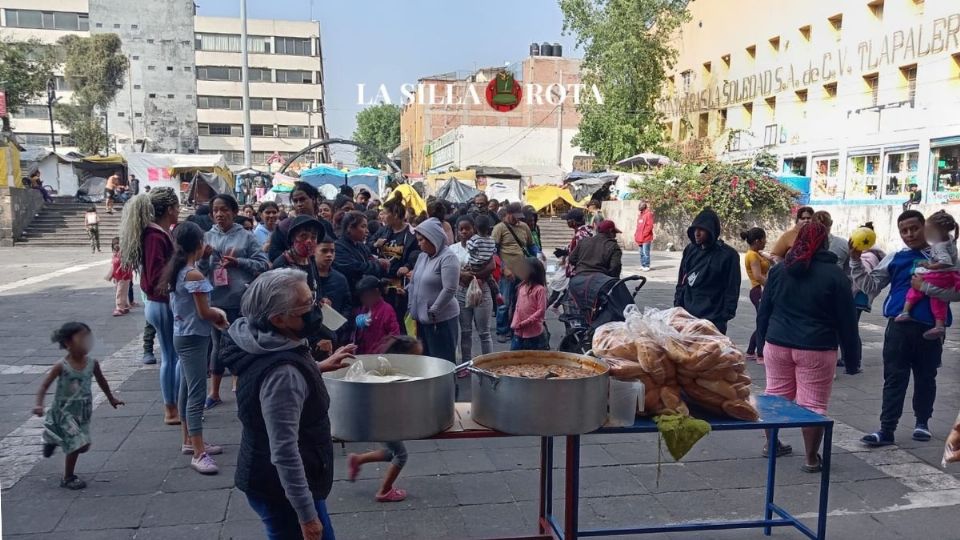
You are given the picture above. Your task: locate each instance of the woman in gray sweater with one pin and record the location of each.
(432, 292)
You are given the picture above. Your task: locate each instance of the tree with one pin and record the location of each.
(95, 67)
(627, 51)
(25, 68)
(377, 127)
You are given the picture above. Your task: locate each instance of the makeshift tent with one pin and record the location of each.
(56, 170)
(323, 174)
(92, 173)
(365, 177)
(434, 181)
(540, 197)
(205, 185)
(456, 192)
(646, 159)
(409, 197)
(590, 186)
(168, 170)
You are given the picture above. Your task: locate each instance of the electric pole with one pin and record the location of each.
(244, 69)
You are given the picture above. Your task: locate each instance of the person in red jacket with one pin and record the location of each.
(644, 235)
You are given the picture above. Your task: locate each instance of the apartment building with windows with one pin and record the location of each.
(862, 96)
(183, 92)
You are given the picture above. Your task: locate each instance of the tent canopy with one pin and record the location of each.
(539, 197)
(457, 192)
(495, 172)
(649, 159)
(409, 197)
(205, 185)
(163, 169)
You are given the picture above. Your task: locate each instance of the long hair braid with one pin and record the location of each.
(138, 213)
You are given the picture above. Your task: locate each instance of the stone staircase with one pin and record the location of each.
(554, 233)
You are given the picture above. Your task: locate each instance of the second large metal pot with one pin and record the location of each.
(543, 407)
(392, 411)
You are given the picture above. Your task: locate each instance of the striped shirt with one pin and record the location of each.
(481, 250)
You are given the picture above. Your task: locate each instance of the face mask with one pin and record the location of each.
(304, 249)
(312, 323)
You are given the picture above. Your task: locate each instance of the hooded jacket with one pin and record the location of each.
(600, 253)
(810, 310)
(251, 262)
(433, 287)
(286, 450)
(354, 261)
(708, 284)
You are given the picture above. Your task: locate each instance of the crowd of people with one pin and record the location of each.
(245, 290)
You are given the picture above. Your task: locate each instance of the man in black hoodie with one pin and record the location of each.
(708, 285)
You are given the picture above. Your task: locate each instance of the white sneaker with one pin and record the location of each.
(644, 268)
(204, 464)
(212, 449)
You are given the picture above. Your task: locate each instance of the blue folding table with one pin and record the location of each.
(775, 414)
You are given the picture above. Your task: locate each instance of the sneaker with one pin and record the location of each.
(935, 334)
(903, 317)
(211, 403)
(644, 268)
(204, 464)
(72, 482)
(879, 438)
(922, 432)
(212, 449)
(501, 338)
(149, 359)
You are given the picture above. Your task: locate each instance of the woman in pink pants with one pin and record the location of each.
(806, 311)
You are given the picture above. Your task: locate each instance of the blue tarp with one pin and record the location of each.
(366, 177)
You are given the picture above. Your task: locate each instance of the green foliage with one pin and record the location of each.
(378, 127)
(627, 51)
(25, 68)
(741, 195)
(95, 67)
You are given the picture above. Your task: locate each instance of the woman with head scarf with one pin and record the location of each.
(146, 243)
(432, 292)
(806, 311)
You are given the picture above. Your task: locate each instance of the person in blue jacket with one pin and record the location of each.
(905, 350)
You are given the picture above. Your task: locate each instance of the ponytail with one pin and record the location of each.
(187, 239)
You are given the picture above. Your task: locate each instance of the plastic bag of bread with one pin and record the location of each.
(613, 340)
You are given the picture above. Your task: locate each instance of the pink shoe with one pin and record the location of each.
(212, 449)
(394, 495)
(117, 312)
(204, 464)
(353, 467)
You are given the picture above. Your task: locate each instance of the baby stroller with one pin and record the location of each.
(596, 299)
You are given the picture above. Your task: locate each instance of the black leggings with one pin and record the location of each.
(755, 346)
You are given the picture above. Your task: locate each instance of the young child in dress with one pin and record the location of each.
(529, 333)
(481, 248)
(376, 319)
(940, 270)
(394, 452)
(67, 424)
(121, 276)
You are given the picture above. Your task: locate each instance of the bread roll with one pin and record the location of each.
(651, 400)
(719, 387)
(702, 396)
(701, 327)
(743, 392)
(670, 397)
(730, 375)
(614, 340)
(741, 410)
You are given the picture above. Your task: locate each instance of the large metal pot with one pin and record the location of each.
(392, 411)
(544, 407)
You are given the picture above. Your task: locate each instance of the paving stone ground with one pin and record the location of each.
(140, 486)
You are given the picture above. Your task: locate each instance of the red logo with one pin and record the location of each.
(504, 92)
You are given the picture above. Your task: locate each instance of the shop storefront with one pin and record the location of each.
(902, 165)
(826, 183)
(863, 176)
(796, 166)
(945, 170)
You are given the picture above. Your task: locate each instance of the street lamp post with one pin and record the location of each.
(51, 99)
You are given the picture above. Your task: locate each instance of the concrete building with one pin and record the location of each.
(449, 123)
(183, 91)
(863, 96)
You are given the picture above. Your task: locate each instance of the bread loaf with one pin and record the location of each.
(719, 387)
(741, 410)
(702, 396)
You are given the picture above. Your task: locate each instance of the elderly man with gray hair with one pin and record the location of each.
(285, 464)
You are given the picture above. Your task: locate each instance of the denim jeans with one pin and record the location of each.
(476, 317)
(159, 316)
(281, 520)
(644, 250)
(192, 352)
(538, 343)
(508, 289)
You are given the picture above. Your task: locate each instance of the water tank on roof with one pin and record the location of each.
(557, 49)
(534, 49)
(546, 49)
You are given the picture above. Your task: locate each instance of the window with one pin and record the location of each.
(290, 45)
(703, 125)
(901, 172)
(294, 76)
(294, 105)
(687, 76)
(218, 73)
(721, 120)
(151, 95)
(230, 43)
(219, 102)
(747, 115)
(187, 68)
(775, 43)
(136, 87)
(872, 83)
(261, 104)
(293, 132)
(47, 20)
(772, 108)
(169, 96)
(261, 130)
(836, 22)
(805, 32)
(259, 75)
(121, 114)
(169, 68)
(752, 52)
(863, 176)
(726, 60)
(707, 67)
(134, 26)
(135, 57)
(876, 8)
(149, 41)
(40, 112)
(826, 177)
(151, 68)
(909, 76)
(99, 25)
(116, 25)
(137, 115)
(233, 130)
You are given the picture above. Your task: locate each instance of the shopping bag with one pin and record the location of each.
(474, 295)
(410, 325)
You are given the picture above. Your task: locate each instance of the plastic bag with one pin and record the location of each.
(474, 294)
(559, 280)
(383, 373)
(951, 449)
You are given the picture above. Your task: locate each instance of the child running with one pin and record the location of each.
(121, 276)
(394, 452)
(528, 320)
(375, 319)
(481, 248)
(92, 222)
(941, 270)
(67, 424)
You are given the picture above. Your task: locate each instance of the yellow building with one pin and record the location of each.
(861, 96)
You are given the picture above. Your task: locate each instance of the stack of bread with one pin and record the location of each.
(671, 351)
